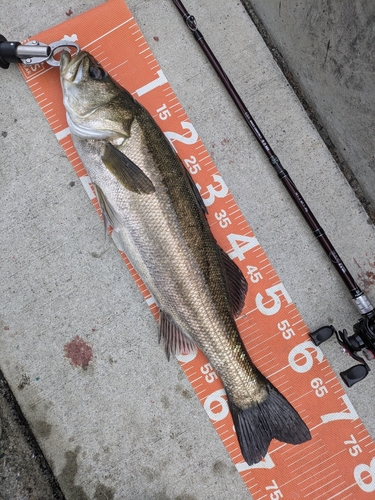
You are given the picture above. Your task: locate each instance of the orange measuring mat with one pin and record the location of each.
(339, 461)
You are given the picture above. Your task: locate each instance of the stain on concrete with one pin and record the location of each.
(186, 393)
(220, 468)
(25, 380)
(150, 474)
(42, 429)
(366, 276)
(102, 492)
(67, 477)
(165, 402)
(162, 495)
(78, 352)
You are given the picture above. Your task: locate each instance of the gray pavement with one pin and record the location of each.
(130, 426)
(328, 48)
(24, 472)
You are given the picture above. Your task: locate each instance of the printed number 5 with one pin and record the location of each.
(276, 495)
(272, 292)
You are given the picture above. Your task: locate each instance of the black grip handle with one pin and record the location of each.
(8, 52)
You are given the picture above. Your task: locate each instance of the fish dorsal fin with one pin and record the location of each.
(110, 216)
(175, 341)
(196, 192)
(126, 171)
(236, 283)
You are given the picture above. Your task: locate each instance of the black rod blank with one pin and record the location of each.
(361, 300)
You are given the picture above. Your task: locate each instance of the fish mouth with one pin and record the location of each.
(72, 69)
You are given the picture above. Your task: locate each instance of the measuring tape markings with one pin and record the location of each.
(268, 307)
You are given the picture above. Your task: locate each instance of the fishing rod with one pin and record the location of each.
(364, 330)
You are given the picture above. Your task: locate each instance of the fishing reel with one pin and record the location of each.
(363, 340)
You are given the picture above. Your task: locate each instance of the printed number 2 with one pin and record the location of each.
(190, 139)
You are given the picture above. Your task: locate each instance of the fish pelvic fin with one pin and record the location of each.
(126, 171)
(175, 341)
(259, 423)
(110, 216)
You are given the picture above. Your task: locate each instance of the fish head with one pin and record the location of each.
(97, 107)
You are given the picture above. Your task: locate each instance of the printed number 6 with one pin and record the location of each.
(217, 397)
(309, 360)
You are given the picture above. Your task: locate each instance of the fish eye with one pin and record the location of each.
(97, 73)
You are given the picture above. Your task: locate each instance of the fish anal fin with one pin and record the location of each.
(126, 171)
(175, 341)
(259, 423)
(236, 283)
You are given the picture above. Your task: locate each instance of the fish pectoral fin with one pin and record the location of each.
(236, 283)
(175, 341)
(126, 171)
(110, 216)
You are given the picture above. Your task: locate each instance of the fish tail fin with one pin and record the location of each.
(258, 424)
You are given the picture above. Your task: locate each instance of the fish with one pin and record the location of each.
(149, 198)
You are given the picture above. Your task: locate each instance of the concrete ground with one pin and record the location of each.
(328, 49)
(60, 280)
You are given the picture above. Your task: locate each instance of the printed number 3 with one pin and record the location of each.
(219, 191)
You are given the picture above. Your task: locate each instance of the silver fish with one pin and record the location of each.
(148, 197)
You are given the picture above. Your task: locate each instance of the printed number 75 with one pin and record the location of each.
(276, 494)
